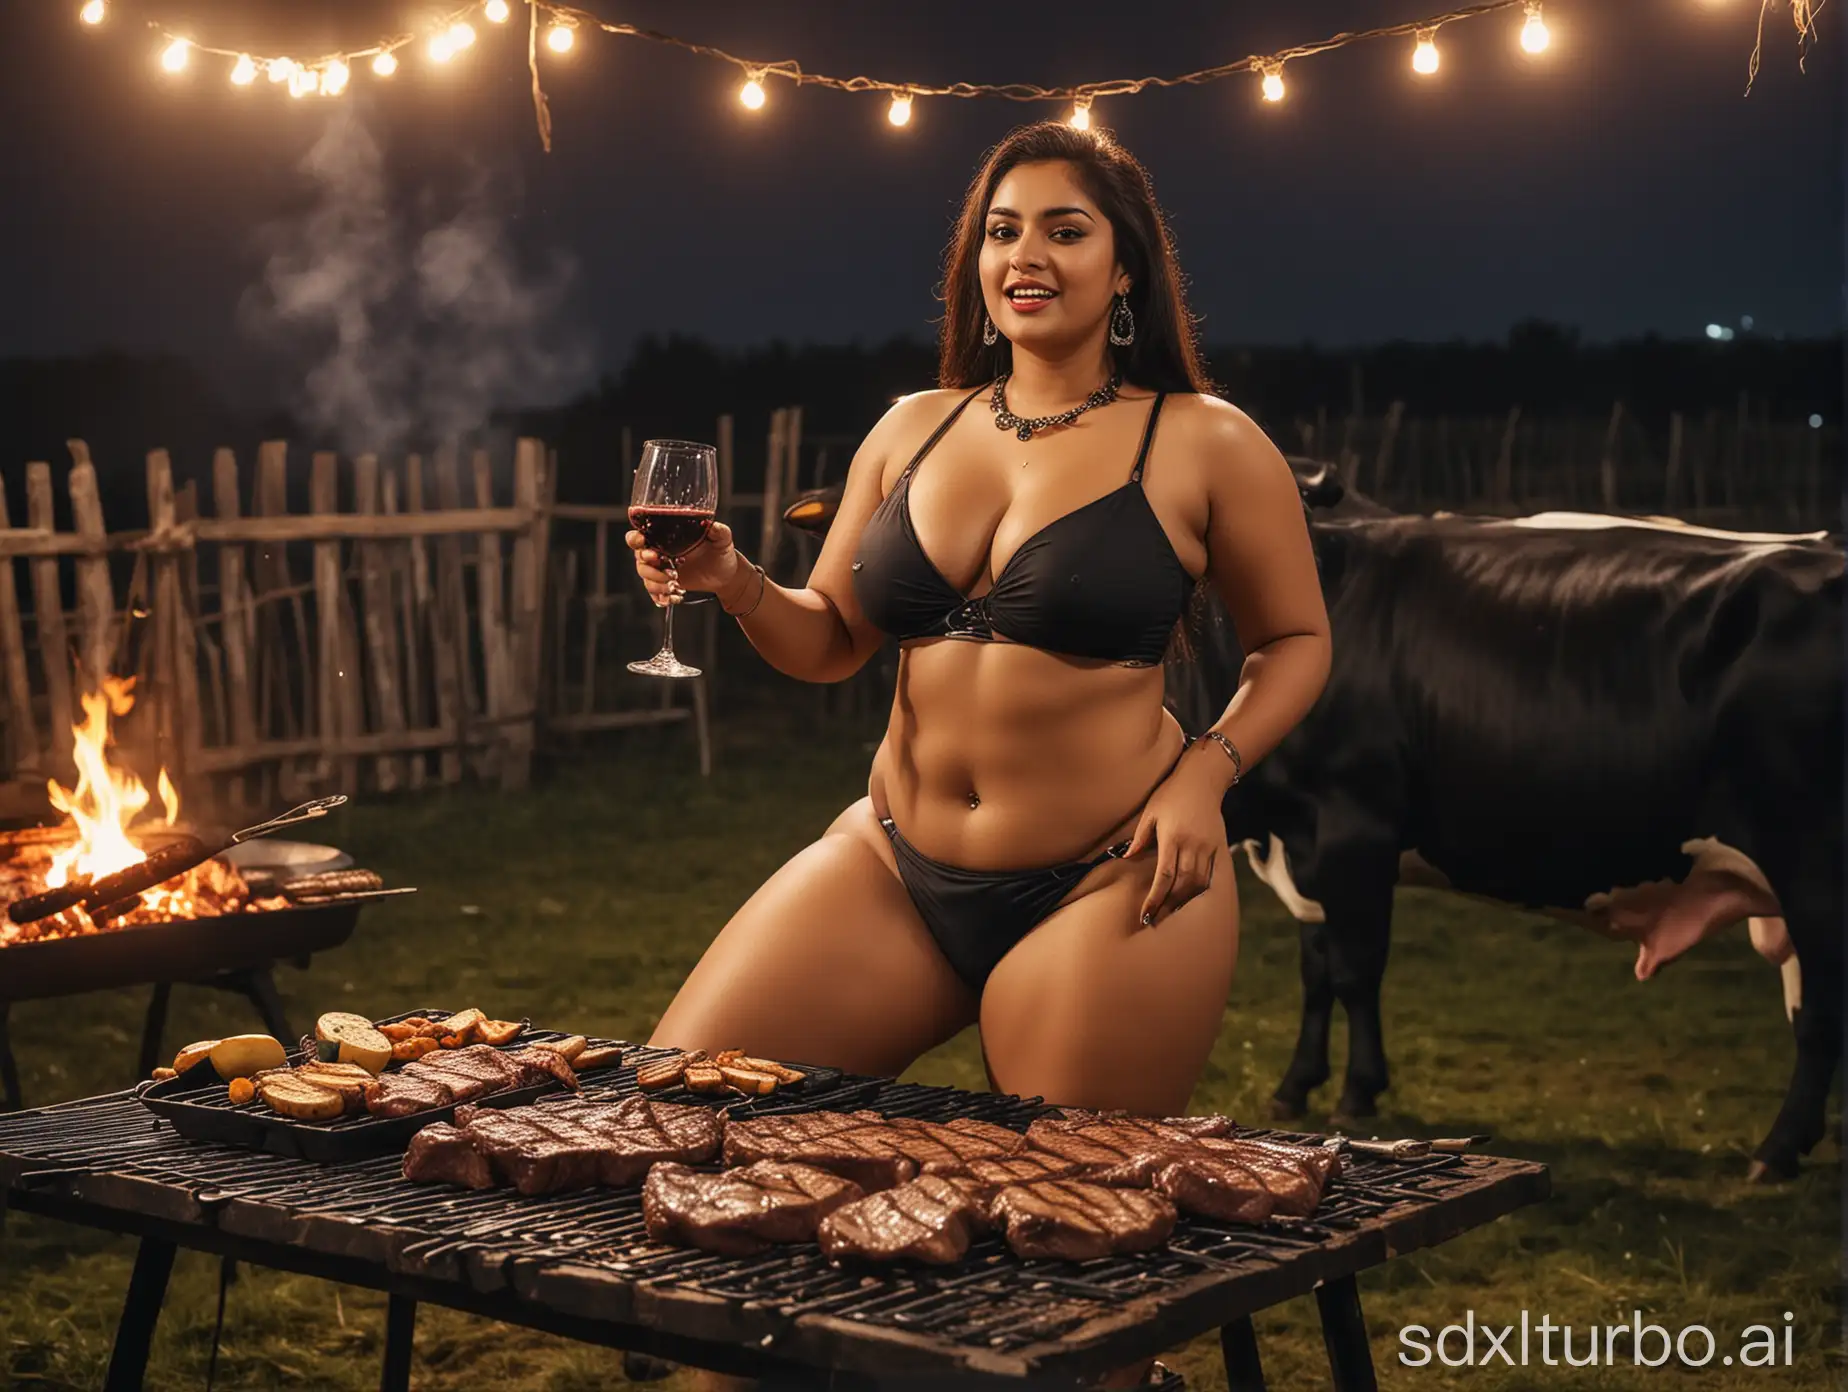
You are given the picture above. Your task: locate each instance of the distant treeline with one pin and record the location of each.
(123, 404)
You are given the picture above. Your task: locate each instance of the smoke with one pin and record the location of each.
(407, 319)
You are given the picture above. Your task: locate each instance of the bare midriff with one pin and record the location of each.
(1001, 757)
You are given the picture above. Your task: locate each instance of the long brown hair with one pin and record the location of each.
(1165, 356)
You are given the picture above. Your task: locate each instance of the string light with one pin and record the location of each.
(1080, 118)
(173, 57)
(281, 69)
(752, 93)
(1424, 57)
(496, 11)
(1272, 86)
(302, 82)
(1534, 35)
(334, 78)
(899, 113)
(385, 64)
(560, 37)
(93, 13)
(442, 48)
(244, 71)
(461, 35)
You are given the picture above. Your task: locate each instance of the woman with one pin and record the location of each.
(1034, 575)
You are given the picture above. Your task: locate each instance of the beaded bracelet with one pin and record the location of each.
(762, 584)
(1238, 763)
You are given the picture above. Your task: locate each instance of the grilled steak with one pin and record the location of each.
(1118, 1149)
(1174, 1125)
(931, 1219)
(401, 1094)
(874, 1152)
(986, 1176)
(440, 1154)
(1210, 1185)
(1071, 1220)
(444, 1077)
(741, 1211)
(1294, 1182)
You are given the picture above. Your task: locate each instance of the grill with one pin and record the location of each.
(582, 1264)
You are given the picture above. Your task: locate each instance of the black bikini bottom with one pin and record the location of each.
(977, 916)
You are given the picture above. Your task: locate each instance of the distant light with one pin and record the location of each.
(560, 38)
(900, 111)
(1424, 57)
(92, 13)
(1080, 118)
(173, 58)
(1534, 35)
(1272, 85)
(1815, 422)
(334, 78)
(244, 71)
(752, 94)
(496, 11)
(385, 64)
(281, 69)
(1745, 322)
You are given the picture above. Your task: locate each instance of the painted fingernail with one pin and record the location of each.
(1148, 920)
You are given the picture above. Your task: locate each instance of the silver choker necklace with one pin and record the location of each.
(1025, 428)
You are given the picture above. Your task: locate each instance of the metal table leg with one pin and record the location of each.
(10, 1098)
(1238, 1344)
(147, 1288)
(1344, 1334)
(400, 1329)
(152, 1029)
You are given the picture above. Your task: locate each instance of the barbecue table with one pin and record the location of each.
(581, 1264)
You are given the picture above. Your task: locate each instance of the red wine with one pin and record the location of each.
(673, 531)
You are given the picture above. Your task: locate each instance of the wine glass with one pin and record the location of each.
(676, 494)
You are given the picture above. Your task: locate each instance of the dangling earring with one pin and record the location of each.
(1122, 324)
(988, 331)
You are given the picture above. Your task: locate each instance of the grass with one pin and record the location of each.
(584, 903)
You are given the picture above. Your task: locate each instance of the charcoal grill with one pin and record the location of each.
(581, 1264)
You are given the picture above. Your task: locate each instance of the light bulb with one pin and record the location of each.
(1534, 35)
(385, 64)
(561, 38)
(244, 71)
(496, 11)
(461, 35)
(334, 78)
(442, 48)
(173, 57)
(1272, 85)
(1424, 57)
(93, 12)
(900, 112)
(302, 82)
(1080, 119)
(752, 94)
(281, 69)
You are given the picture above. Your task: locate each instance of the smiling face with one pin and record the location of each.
(1049, 267)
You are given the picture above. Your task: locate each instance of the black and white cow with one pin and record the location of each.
(1660, 708)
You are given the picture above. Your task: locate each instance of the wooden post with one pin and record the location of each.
(166, 608)
(21, 729)
(628, 466)
(726, 482)
(48, 616)
(191, 724)
(1671, 481)
(455, 672)
(1812, 478)
(380, 626)
(1389, 436)
(1504, 459)
(435, 615)
(792, 458)
(497, 670)
(770, 533)
(528, 618)
(1735, 457)
(1710, 447)
(595, 606)
(1607, 460)
(331, 676)
(95, 595)
(406, 599)
(239, 618)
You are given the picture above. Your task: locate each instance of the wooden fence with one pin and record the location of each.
(411, 627)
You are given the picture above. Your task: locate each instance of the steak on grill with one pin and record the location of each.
(742, 1211)
(445, 1077)
(1210, 1185)
(1117, 1150)
(1071, 1220)
(567, 1143)
(874, 1152)
(1295, 1181)
(440, 1154)
(931, 1219)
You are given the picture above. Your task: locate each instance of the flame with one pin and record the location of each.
(107, 800)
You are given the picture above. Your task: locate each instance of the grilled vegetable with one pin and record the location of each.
(705, 1077)
(193, 1053)
(662, 1073)
(570, 1048)
(749, 1082)
(407, 1049)
(404, 1029)
(332, 882)
(160, 1075)
(244, 1054)
(781, 1072)
(346, 1038)
(461, 1026)
(598, 1058)
(242, 1090)
(296, 1097)
(499, 1031)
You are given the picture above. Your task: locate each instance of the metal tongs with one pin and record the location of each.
(1409, 1149)
(117, 894)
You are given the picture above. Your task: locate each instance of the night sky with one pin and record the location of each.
(1623, 183)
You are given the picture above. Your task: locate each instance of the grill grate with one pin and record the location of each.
(992, 1301)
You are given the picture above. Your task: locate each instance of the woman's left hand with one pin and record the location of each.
(1184, 822)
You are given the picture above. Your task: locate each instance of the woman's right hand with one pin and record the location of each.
(713, 566)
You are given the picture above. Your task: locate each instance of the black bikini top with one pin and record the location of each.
(1100, 582)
